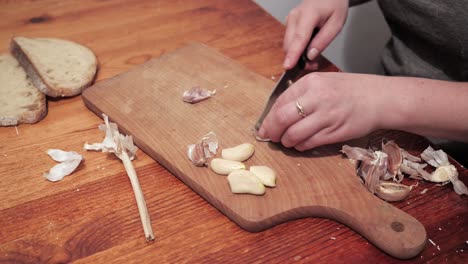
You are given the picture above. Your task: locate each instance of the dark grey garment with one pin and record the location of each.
(429, 38)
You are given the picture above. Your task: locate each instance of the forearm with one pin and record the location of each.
(427, 107)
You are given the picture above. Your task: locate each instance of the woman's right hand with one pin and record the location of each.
(328, 16)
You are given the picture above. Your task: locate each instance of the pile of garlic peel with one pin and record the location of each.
(241, 180)
(392, 162)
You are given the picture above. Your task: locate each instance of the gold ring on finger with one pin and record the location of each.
(300, 109)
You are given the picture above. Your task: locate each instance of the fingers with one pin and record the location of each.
(297, 36)
(278, 120)
(303, 129)
(284, 112)
(326, 35)
(325, 136)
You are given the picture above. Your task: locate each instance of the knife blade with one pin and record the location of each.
(283, 84)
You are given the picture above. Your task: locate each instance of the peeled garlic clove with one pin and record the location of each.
(224, 167)
(392, 192)
(241, 152)
(243, 181)
(265, 174)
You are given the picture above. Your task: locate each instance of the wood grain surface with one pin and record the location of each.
(91, 216)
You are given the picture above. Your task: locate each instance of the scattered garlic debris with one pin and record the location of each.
(240, 152)
(244, 181)
(392, 162)
(444, 170)
(197, 94)
(123, 147)
(69, 161)
(114, 141)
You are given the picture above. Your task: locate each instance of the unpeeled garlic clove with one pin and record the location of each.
(244, 181)
(241, 152)
(392, 192)
(265, 174)
(224, 167)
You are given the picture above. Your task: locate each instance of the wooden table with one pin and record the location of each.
(91, 216)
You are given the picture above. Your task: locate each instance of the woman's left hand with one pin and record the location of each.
(337, 107)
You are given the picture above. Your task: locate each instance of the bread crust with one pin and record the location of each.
(40, 82)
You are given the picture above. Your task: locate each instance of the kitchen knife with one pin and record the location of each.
(283, 84)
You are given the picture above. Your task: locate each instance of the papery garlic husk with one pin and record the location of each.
(204, 149)
(69, 161)
(357, 153)
(414, 169)
(392, 192)
(197, 94)
(435, 158)
(114, 141)
(374, 171)
(196, 154)
(394, 160)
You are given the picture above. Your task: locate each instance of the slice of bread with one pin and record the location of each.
(20, 101)
(56, 67)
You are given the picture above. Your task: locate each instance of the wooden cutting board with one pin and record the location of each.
(146, 103)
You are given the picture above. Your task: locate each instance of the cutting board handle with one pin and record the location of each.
(387, 227)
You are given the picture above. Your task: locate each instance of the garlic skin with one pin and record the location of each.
(224, 167)
(69, 161)
(240, 152)
(265, 174)
(196, 154)
(244, 181)
(197, 94)
(205, 148)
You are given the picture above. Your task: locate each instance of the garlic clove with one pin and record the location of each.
(196, 154)
(224, 167)
(392, 192)
(241, 152)
(443, 174)
(244, 181)
(265, 174)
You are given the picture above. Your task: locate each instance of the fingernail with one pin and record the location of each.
(287, 63)
(313, 52)
(261, 132)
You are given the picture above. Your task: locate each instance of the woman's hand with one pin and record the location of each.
(337, 107)
(328, 16)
